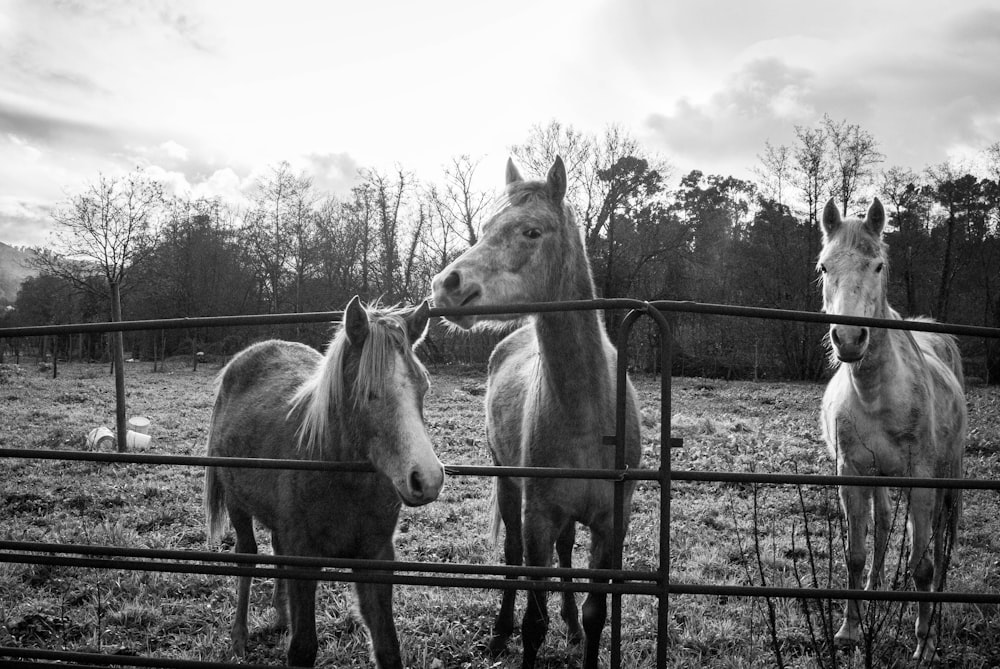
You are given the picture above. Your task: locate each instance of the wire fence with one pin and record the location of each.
(654, 583)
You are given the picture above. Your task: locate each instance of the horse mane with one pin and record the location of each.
(853, 233)
(324, 394)
(520, 193)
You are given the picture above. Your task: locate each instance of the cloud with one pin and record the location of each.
(41, 126)
(24, 223)
(334, 173)
(224, 184)
(925, 92)
(174, 150)
(766, 98)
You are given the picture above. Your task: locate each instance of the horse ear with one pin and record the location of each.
(513, 175)
(356, 322)
(831, 218)
(875, 220)
(557, 181)
(416, 323)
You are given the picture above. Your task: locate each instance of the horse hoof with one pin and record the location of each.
(926, 654)
(497, 646)
(846, 637)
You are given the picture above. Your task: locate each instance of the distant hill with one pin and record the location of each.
(14, 269)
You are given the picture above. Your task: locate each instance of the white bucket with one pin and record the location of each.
(100, 438)
(139, 424)
(136, 439)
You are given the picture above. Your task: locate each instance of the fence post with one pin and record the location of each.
(118, 355)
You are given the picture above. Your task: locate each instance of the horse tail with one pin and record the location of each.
(215, 506)
(215, 498)
(955, 361)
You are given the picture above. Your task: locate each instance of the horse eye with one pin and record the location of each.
(822, 268)
(879, 268)
(532, 233)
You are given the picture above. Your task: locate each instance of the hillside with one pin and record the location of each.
(14, 269)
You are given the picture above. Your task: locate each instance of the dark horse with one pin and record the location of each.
(549, 397)
(363, 401)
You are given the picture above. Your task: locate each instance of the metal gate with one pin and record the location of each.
(615, 581)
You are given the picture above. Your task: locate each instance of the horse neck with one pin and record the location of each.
(881, 364)
(572, 344)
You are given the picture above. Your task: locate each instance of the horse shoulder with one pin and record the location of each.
(508, 386)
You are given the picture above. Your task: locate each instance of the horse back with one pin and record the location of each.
(945, 348)
(252, 401)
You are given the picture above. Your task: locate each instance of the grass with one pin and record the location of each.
(721, 533)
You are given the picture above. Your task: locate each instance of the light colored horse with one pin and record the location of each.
(895, 407)
(362, 401)
(549, 399)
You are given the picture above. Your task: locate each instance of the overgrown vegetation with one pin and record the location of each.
(721, 533)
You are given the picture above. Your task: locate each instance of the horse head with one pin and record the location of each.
(516, 258)
(853, 265)
(389, 393)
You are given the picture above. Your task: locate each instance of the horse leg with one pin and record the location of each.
(245, 543)
(375, 602)
(882, 513)
(538, 532)
(302, 609)
(564, 551)
(508, 501)
(855, 503)
(279, 598)
(922, 505)
(945, 533)
(595, 608)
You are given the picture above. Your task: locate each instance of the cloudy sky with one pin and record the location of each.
(208, 95)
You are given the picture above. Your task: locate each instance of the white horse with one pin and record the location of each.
(895, 407)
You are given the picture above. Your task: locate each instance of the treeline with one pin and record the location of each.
(651, 235)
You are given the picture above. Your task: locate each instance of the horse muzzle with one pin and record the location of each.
(421, 486)
(450, 290)
(850, 342)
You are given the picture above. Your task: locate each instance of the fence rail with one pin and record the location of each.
(650, 583)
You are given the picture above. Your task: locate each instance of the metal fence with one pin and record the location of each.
(616, 581)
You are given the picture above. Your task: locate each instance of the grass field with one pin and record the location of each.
(721, 533)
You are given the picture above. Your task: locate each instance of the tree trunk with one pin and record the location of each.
(944, 289)
(118, 354)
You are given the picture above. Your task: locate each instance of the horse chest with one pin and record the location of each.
(344, 515)
(885, 437)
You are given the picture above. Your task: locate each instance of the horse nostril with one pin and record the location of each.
(416, 485)
(835, 337)
(452, 281)
(863, 337)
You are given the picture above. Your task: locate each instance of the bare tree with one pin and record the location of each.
(277, 230)
(460, 204)
(108, 229)
(589, 160)
(855, 154)
(774, 171)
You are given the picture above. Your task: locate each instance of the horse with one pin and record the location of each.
(549, 399)
(894, 407)
(361, 401)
